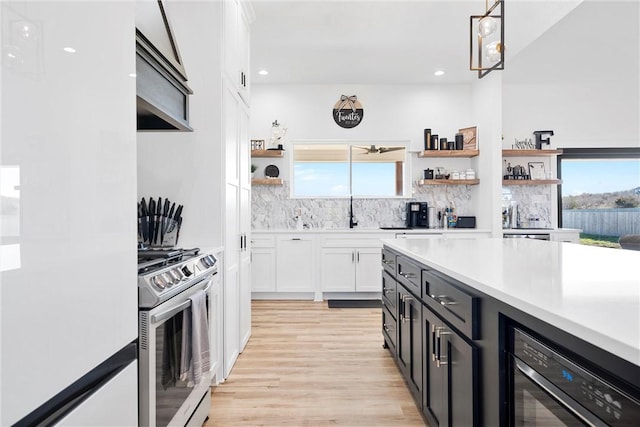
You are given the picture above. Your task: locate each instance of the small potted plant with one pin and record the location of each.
(254, 168)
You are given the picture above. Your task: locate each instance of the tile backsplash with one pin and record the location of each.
(272, 207)
(534, 204)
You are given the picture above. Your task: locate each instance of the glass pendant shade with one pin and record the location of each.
(487, 26)
(493, 50)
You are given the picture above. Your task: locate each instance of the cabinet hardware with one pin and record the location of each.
(387, 328)
(386, 290)
(402, 318)
(444, 300)
(440, 332)
(357, 256)
(408, 275)
(433, 342)
(353, 257)
(296, 238)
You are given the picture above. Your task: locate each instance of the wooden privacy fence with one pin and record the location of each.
(603, 222)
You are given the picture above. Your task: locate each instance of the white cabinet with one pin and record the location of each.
(237, 226)
(295, 262)
(263, 264)
(216, 320)
(349, 264)
(350, 270)
(237, 17)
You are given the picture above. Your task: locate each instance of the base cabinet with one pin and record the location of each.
(409, 345)
(350, 270)
(449, 365)
(294, 264)
(438, 361)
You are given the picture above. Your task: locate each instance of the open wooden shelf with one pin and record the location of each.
(530, 153)
(449, 153)
(266, 153)
(531, 181)
(449, 182)
(266, 181)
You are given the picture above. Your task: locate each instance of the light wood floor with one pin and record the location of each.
(308, 365)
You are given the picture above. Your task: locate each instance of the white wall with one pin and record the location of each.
(580, 79)
(185, 166)
(398, 112)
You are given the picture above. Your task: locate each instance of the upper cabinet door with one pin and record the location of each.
(230, 41)
(236, 46)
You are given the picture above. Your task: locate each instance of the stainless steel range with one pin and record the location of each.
(174, 340)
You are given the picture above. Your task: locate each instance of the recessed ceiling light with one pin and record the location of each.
(263, 72)
(69, 50)
(439, 73)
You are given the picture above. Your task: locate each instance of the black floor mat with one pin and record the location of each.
(354, 303)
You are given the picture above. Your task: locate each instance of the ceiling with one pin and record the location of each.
(383, 41)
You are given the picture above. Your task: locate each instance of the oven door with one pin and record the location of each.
(537, 402)
(164, 398)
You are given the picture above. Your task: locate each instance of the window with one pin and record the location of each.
(349, 169)
(600, 191)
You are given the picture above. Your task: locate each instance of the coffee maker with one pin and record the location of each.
(417, 215)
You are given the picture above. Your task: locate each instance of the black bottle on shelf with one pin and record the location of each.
(427, 138)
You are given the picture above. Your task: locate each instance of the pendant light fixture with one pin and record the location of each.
(486, 39)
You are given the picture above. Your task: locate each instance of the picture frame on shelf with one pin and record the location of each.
(537, 170)
(469, 138)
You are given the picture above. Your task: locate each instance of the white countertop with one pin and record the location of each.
(539, 230)
(374, 230)
(592, 293)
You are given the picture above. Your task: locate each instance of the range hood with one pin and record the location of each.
(162, 94)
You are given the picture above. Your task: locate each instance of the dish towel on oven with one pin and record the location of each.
(195, 342)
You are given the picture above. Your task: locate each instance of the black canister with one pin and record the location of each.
(428, 174)
(427, 138)
(443, 144)
(451, 145)
(434, 142)
(459, 141)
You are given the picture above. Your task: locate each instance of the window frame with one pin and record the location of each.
(406, 172)
(609, 153)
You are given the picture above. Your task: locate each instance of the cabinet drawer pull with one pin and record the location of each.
(408, 275)
(387, 328)
(444, 300)
(386, 290)
(402, 318)
(296, 238)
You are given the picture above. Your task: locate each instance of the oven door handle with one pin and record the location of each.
(560, 396)
(157, 318)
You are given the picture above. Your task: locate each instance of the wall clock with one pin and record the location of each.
(271, 171)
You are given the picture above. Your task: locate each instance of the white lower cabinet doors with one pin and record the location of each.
(350, 269)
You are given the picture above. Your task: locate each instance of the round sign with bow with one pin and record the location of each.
(348, 111)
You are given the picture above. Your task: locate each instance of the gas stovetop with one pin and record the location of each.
(164, 273)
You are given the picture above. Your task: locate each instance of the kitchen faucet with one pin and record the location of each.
(352, 222)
